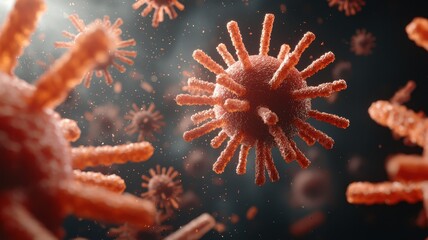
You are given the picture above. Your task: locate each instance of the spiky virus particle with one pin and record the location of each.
(160, 8)
(362, 43)
(144, 120)
(261, 101)
(162, 187)
(38, 188)
(117, 54)
(351, 7)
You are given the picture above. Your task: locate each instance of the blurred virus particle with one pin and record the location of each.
(160, 6)
(410, 170)
(38, 187)
(384, 192)
(362, 43)
(104, 123)
(116, 54)
(283, 8)
(417, 30)
(252, 213)
(249, 99)
(70, 129)
(127, 232)
(405, 167)
(189, 201)
(402, 121)
(403, 95)
(307, 224)
(162, 188)
(311, 189)
(234, 218)
(195, 229)
(351, 7)
(145, 121)
(357, 167)
(341, 69)
(220, 227)
(195, 163)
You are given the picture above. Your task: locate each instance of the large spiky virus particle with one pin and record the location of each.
(116, 54)
(160, 8)
(162, 188)
(350, 7)
(38, 188)
(145, 121)
(261, 101)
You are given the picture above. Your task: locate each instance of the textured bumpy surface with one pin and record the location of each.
(107, 155)
(401, 120)
(112, 182)
(384, 193)
(417, 30)
(37, 185)
(260, 101)
(160, 6)
(410, 170)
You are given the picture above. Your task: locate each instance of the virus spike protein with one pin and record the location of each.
(15, 33)
(37, 183)
(160, 6)
(115, 53)
(248, 102)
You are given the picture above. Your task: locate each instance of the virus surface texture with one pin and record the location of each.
(351, 7)
(160, 7)
(145, 121)
(117, 54)
(261, 101)
(38, 188)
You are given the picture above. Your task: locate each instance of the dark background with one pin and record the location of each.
(164, 53)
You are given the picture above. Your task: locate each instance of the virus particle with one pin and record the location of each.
(307, 224)
(384, 193)
(362, 43)
(189, 201)
(38, 187)
(282, 8)
(145, 121)
(410, 169)
(162, 188)
(403, 95)
(351, 7)
(195, 164)
(252, 213)
(311, 189)
(195, 229)
(341, 69)
(116, 54)
(417, 30)
(160, 7)
(104, 123)
(261, 101)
